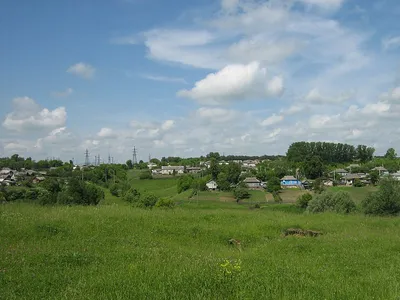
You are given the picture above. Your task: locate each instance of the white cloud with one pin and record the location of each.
(293, 109)
(272, 120)
(392, 96)
(28, 116)
(216, 115)
(62, 94)
(167, 125)
(82, 70)
(234, 82)
(315, 97)
(229, 5)
(391, 43)
(326, 4)
(107, 133)
(165, 79)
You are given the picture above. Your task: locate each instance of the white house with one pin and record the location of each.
(381, 170)
(396, 175)
(169, 170)
(151, 165)
(212, 185)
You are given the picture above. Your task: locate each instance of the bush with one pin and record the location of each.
(318, 186)
(241, 193)
(386, 201)
(358, 183)
(303, 200)
(132, 196)
(165, 203)
(15, 193)
(2, 197)
(339, 202)
(184, 183)
(147, 201)
(145, 175)
(32, 194)
(114, 190)
(83, 193)
(45, 197)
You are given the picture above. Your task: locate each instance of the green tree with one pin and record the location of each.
(241, 193)
(318, 186)
(302, 200)
(386, 201)
(391, 154)
(129, 164)
(273, 184)
(233, 171)
(214, 168)
(222, 181)
(374, 177)
(314, 168)
(184, 183)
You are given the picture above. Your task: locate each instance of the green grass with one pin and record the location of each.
(120, 252)
(356, 193)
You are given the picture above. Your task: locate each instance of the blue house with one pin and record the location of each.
(290, 182)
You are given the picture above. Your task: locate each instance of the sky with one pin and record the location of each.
(184, 78)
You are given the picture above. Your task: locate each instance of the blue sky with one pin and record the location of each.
(189, 77)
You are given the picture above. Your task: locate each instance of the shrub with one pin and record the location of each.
(147, 201)
(358, 183)
(241, 193)
(339, 202)
(45, 197)
(386, 201)
(318, 186)
(2, 197)
(145, 175)
(32, 194)
(132, 196)
(79, 192)
(165, 203)
(184, 183)
(303, 200)
(114, 190)
(15, 193)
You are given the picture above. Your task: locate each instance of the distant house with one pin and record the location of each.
(340, 172)
(349, 179)
(7, 176)
(250, 164)
(396, 175)
(38, 179)
(156, 171)
(252, 183)
(193, 170)
(170, 170)
(381, 170)
(212, 185)
(151, 165)
(328, 183)
(290, 182)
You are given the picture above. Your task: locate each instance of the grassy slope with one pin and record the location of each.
(120, 252)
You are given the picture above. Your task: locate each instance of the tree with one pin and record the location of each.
(214, 168)
(233, 171)
(391, 154)
(302, 200)
(374, 177)
(273, 184)
(318, 186)
(184, 183)
(386, 201)
(222, 181)
(129, 164)
(214, 155)
(314, 168)
(241, 193)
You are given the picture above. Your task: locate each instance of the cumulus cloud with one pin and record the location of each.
(29, 116)
(65, 93)
(326, 4)
(315, 97)
(125, 40)
(234, 82)
(216, 115)
(82, 70)
(107, 133)
(272, 120)
(167, 125)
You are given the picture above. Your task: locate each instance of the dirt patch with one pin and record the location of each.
(227, 199)
(301, 232)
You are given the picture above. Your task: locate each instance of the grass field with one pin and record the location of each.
(119, 252)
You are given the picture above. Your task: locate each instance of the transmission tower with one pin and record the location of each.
(109, 158)
(87, 162)
(134, 156)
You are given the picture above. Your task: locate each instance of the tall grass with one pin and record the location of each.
(121, 252)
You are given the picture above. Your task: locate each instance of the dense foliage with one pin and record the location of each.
(328, 152)
(303, 200)
(386, 201)
(339, 202)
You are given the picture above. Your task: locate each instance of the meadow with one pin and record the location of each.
(115, 251)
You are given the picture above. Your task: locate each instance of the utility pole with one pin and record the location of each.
(134, 156)
(87, 162)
